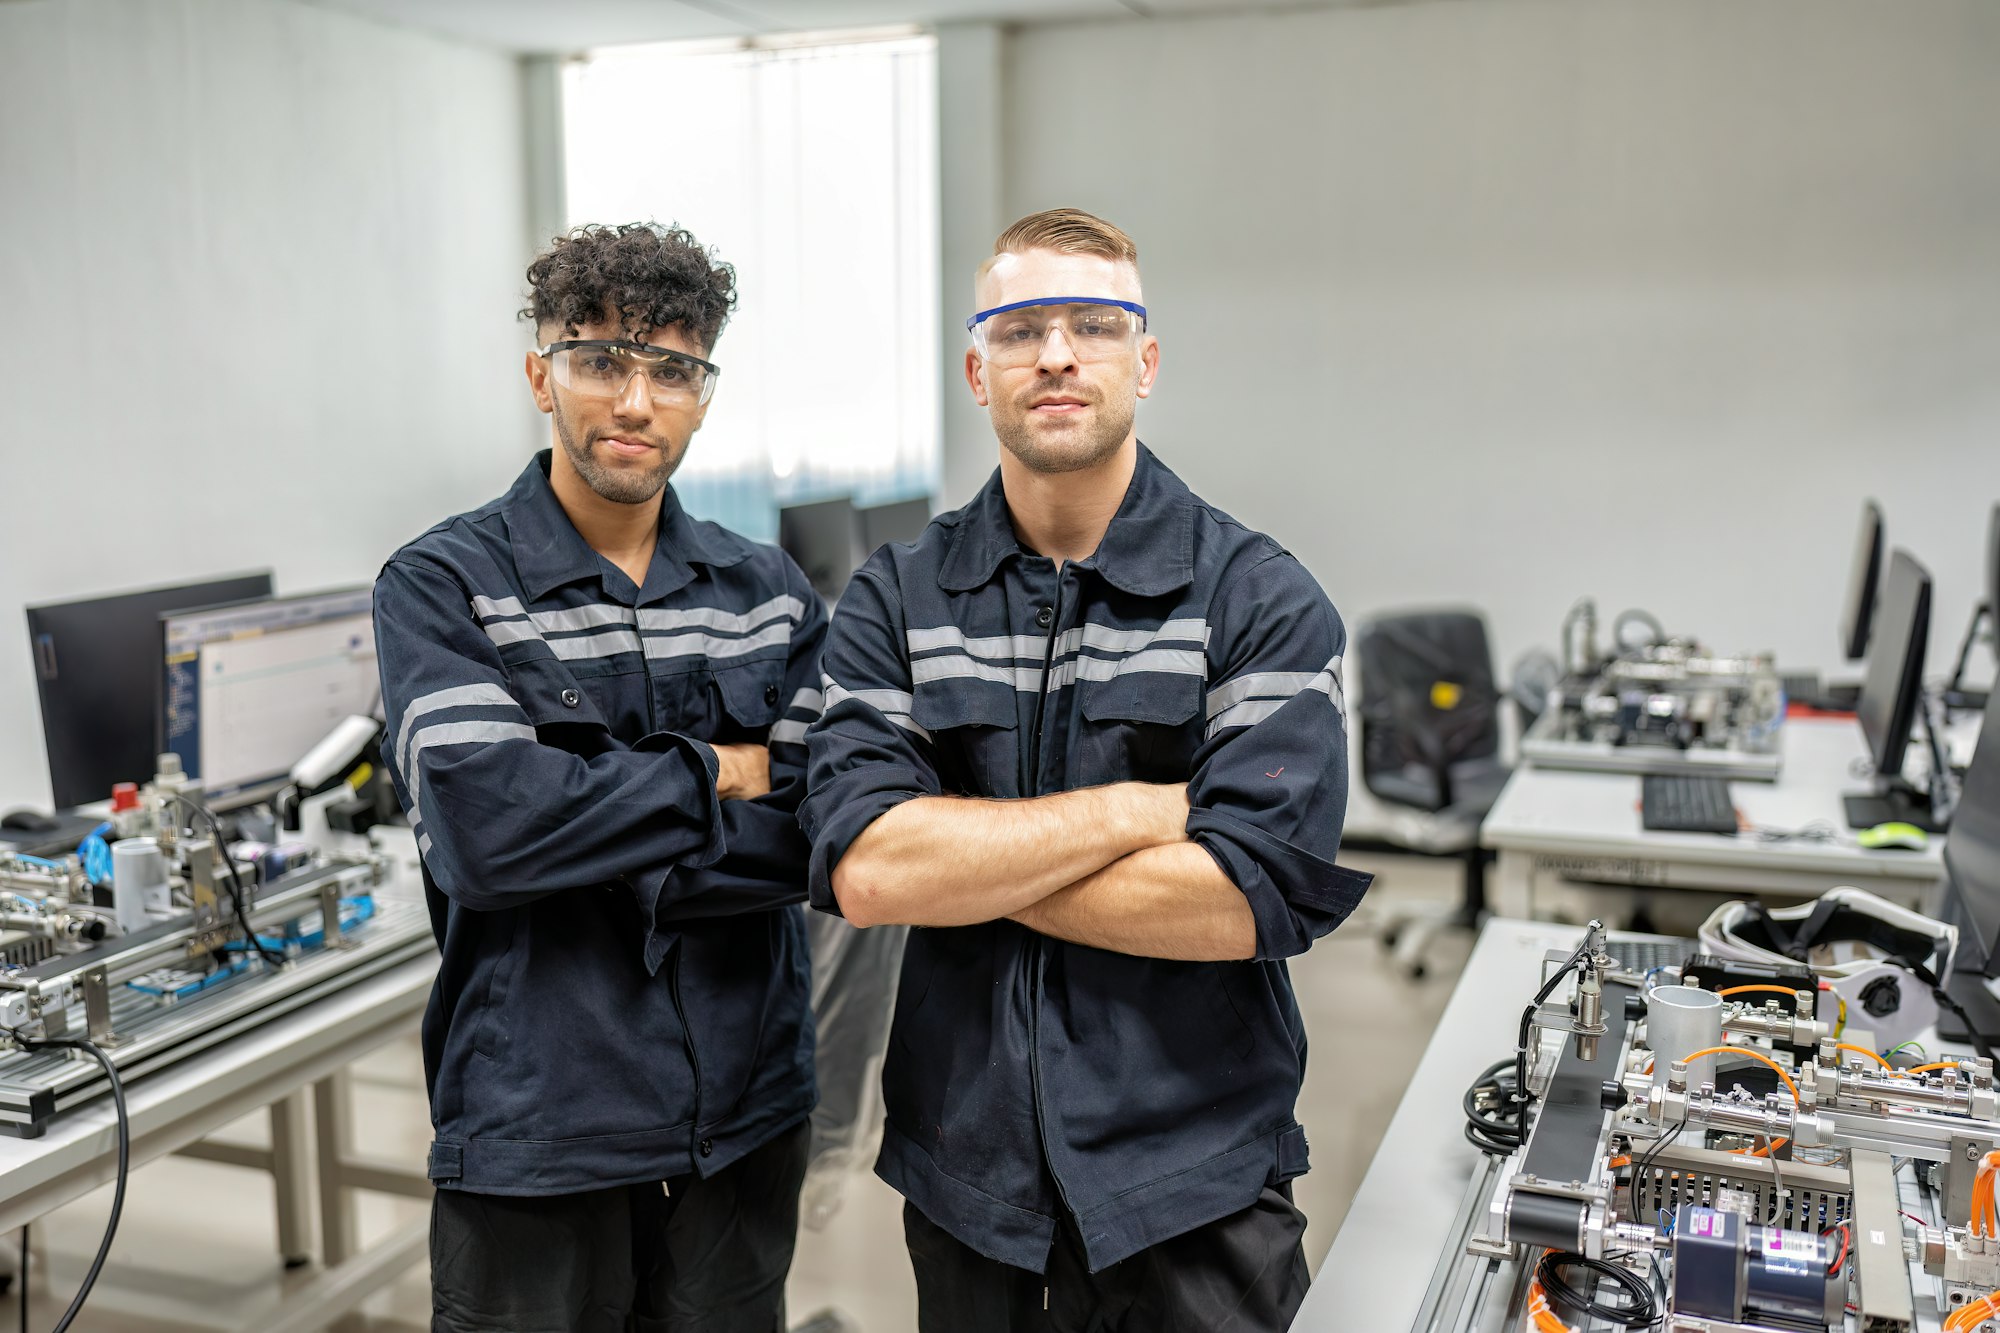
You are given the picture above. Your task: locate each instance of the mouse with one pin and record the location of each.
(29, 821)
(1894, 836)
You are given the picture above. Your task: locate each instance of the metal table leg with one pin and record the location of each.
(292, 1172)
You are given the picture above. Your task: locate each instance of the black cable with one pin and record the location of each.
(1641, 1309)
(124, 1169)
(1520, 1094)
(237, 894)
(24, 1276)
(1492, 1112)
(1643, 1166)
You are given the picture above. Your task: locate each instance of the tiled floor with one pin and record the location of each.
(196, 1249)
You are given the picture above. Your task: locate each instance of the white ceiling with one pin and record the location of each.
(577, 25)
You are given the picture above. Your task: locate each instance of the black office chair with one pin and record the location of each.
(1430, 748)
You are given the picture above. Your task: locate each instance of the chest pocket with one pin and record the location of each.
(975, 730)
(1142, 726)
(752, 698)
(567, 713)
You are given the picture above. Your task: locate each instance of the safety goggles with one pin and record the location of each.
(600, 368)
(1095, 328)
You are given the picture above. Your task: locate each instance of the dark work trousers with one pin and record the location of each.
(697, 1256)
(1245, 1273)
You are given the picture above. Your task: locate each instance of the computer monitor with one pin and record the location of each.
(247, 690)
(897, 521)
(1985, 614)
(96, 671)
(1857, 612)
(1972, 882)
(825, 538)
(1892, 695)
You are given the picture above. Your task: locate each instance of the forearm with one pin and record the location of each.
(1163, 902)
(954, 861)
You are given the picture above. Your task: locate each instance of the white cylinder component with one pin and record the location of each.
(138, 883)
(1681, 1020)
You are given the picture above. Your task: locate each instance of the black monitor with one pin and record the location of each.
(1986, 613)
(1857, 612)
(825, 538)
(97, 667)
(1892, 696)
(897, 521)
(1972, 883)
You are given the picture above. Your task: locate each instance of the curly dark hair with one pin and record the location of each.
(651, 277)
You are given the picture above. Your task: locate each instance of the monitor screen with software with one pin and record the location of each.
(96, 671)
(1857, 612)
(247, 690)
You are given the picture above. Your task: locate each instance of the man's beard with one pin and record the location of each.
(618, 485)
(1074, 449)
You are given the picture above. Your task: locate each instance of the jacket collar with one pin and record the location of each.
(549, 552)
(1147, 551)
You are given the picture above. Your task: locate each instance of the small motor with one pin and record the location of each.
(1730, 1269)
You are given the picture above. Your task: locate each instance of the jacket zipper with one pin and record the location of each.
(694, 1058)
(1037, 946)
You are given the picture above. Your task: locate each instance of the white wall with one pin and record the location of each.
(1515, 301)
(260, 265)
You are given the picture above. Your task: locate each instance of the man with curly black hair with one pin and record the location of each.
(598, 708)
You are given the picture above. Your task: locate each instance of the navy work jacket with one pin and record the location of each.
(1028, 1077)
(623, 994)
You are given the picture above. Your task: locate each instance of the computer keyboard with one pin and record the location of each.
(1687, 804)
(1642, 956)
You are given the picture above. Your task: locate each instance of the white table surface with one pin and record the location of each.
(1563, 812)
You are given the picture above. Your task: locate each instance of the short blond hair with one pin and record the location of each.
(1069, 231)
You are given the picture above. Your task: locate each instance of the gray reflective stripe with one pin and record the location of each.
(807, 701)
(728, 622)
(1246, 714)
(484, 694)
(884, 701)
(788, 733)
(487, 607)
(926, 669)
(504, 632)
(581, 617)
(1106, 639)
(998, 647)
(1169, 661)
(423, 844)
(1259, 685)
(455, 733)
(707, 645)
(895, 705)
(1250, 699)
(604, 643)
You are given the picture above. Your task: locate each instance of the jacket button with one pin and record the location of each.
(571, 698)
(770, 694)
(1045, 617)
(707, 1147)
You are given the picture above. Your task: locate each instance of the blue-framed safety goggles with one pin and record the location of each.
(1095, 327)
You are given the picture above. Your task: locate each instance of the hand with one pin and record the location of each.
(743, 772)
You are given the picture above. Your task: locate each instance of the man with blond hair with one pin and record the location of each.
(1089, 731)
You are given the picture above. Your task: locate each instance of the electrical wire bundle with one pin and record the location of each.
(1551, 1294)
(238, 895)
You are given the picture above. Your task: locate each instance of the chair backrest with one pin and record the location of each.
(1428, 698)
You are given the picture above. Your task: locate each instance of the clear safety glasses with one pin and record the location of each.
(1095, 328)
(601, 369)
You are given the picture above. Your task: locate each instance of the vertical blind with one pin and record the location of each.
(813, 170)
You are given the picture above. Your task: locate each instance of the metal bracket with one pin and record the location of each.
(329, 916)
(97, 1007)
